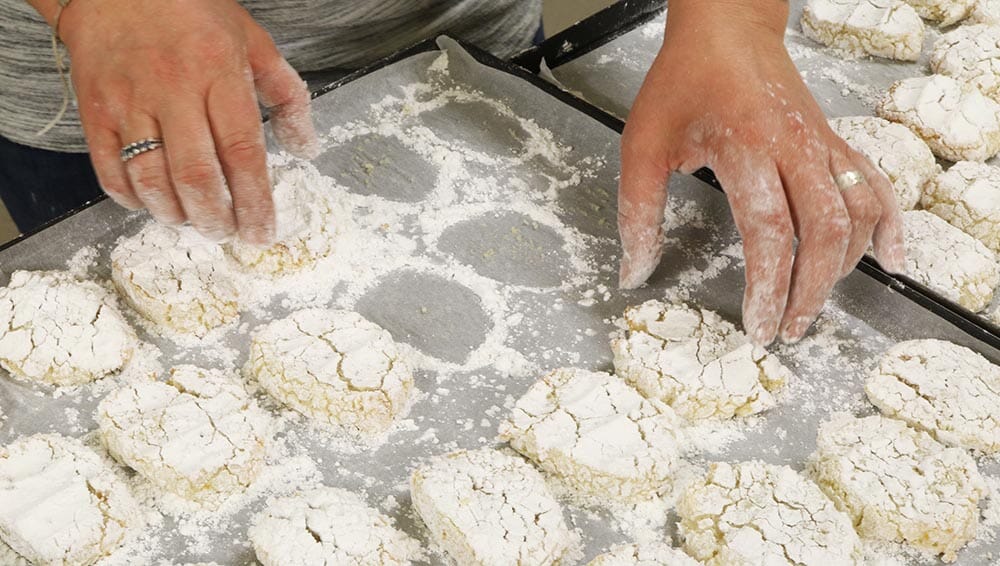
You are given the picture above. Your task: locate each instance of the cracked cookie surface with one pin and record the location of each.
(895, 150)
(333, 366)
(757, 513)
(943, 12)
(650, 554)
(898, 483)
(985, 12)
(62, 505)
(305, 221)
(992, 312)
(328, 526)
(695, 362)
(949, 261)
(970, 54)
(198, 434)
(596, 434)
(957, 121)
(176, 279)
(884, 28)
(489, 508)
(945, 389)
(10, 558)
(58, 330)
(967, 195)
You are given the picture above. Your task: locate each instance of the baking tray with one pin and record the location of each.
(604, 60)
(492, 269)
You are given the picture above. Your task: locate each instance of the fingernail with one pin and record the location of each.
(635, 271)
(260, 236)
(896, 260)
(172, 220)
(219, 236)
(641, 253)
(847, 270)
(762, 309)
(167, 219)
(795, 330)
(311, 149)
(761, 335)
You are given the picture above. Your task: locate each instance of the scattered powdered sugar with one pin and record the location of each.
(654, 28)
(866, 92)
(82, 261)
(990, 520)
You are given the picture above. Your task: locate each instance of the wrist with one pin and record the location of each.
(760, 19)
(71, 21)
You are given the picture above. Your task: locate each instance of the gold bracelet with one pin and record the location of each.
(61, 67)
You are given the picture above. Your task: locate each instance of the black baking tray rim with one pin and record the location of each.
(590, 33)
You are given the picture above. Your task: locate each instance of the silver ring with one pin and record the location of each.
(848, 179)
(134, 149)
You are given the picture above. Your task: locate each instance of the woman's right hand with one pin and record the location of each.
(190, 72)
(724, 93)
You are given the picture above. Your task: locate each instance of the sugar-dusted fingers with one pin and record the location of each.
(195, 170)
(239, 144)
(824, 230)
(760, 210)
(285, 95)
(887, 239)
(863, 208)
(642, 197)
(148, 171)
(105, 155)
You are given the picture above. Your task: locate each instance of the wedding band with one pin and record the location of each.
(134, 149)
(848, 179)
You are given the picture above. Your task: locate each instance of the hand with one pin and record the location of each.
(724, 94)
(185, 71)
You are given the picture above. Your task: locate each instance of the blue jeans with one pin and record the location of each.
(39, 185)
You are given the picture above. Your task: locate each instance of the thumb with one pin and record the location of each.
(642, 196)
(286, 97)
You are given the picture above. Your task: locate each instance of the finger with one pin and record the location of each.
(642, 197)
(862, 206)
(760, 210)
(195, 171)
(239, 142)
(286, 97)
(147, 172)
(105, 154)
(824, 228)
(887, 238)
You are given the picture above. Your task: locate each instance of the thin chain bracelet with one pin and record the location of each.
(61, 67)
